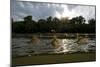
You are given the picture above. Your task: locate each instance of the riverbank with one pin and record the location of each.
(54, 58)
(50, 35)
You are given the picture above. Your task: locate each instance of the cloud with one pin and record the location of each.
(43, 10)
(86, 11)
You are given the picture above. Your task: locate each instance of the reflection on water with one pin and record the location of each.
(24, 46)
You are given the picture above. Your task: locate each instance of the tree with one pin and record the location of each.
(56, 20)
(29, 24)
(49, 19)
(41, 21)
(28, 19)
(92, 21)
(78, 20)
(73, 20)
(54, 24)
(81, 20)
(42, 25)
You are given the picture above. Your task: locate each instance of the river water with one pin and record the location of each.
(23, 46)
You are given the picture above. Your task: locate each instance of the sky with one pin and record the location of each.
(20, 9)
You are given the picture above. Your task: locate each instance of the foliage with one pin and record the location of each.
(63, 25)
(92, 21)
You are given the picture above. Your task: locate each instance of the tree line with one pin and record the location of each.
(53, 24)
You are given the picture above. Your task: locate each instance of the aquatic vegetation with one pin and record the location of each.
(35, 39)
(56, 43)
